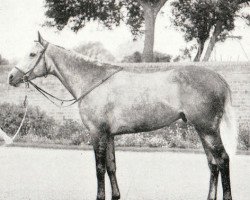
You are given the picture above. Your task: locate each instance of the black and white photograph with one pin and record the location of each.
(125, 100)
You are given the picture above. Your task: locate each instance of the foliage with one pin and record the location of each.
(77, 13)
(162, 57)
(244, 136)
(40, 128)
(175, 136)
(110, 13)
(39, 125)
(185, 54)
(197, 18)
(73, 131)
(3, 61)
(136, 57)
(37, 122)
(96, 51)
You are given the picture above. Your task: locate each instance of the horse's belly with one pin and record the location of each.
(142, 118)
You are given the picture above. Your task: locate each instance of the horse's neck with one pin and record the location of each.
(76, 73)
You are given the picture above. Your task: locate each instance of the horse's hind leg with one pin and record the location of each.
(214, 171)
(218, 160)
(111, 168)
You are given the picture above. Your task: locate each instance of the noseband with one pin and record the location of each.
(27, 74)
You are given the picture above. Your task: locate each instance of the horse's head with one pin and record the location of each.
(33, 65)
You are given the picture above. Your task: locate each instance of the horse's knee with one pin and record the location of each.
(111, 167)
(223, 161)
(213, 168)
(111, 171)
(100, 170)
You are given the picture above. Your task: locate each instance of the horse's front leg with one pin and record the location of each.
(111, 168)
(100, 146)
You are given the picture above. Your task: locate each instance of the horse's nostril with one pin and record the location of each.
(11, 78)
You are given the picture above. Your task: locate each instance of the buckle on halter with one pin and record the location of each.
(26, 81)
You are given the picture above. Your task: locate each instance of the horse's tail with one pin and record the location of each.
(229, 128)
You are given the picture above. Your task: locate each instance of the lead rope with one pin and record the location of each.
(25, 104)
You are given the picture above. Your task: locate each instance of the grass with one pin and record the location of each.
(84, 147)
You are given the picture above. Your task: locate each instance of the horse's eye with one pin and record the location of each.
(32, 54)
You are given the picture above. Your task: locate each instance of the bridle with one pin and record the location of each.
(46, 94)
(27, 74)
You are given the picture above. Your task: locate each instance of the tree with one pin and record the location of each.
(199, 19)
(96, 51)
(77, 13)
(225, 22)
(3, 61)
(136, 57)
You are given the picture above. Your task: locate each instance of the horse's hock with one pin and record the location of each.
(237, 74)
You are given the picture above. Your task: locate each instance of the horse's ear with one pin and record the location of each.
(41, 40)
(39, 36)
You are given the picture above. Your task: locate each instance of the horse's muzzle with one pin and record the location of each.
(13, 79)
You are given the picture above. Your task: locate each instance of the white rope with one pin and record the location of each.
(7, 139)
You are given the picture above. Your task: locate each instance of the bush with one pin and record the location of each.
(244, 136)
(36, 122)
(136, 57)
(73, 131)
(178, 135)
(39, 127)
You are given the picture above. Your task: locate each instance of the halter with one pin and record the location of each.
(27, 74)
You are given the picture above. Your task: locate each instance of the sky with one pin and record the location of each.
(20, 21)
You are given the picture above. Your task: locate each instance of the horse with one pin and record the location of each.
(114, 100)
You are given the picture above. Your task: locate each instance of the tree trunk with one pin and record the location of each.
(148, 51)
(199, 52)
(151, 11)
(213, 40)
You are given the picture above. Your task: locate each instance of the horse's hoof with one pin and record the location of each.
(116, 197)
(98, 198)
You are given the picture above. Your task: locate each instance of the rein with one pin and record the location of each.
(75, 100)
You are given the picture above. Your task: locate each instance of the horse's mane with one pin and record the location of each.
(154, 67)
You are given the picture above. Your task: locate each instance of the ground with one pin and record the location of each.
(39, 174)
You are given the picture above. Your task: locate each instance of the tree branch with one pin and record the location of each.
(160, 4)
(243, 1)
(157, 7)
(143, 3)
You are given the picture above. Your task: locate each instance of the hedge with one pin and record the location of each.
(41, 128)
